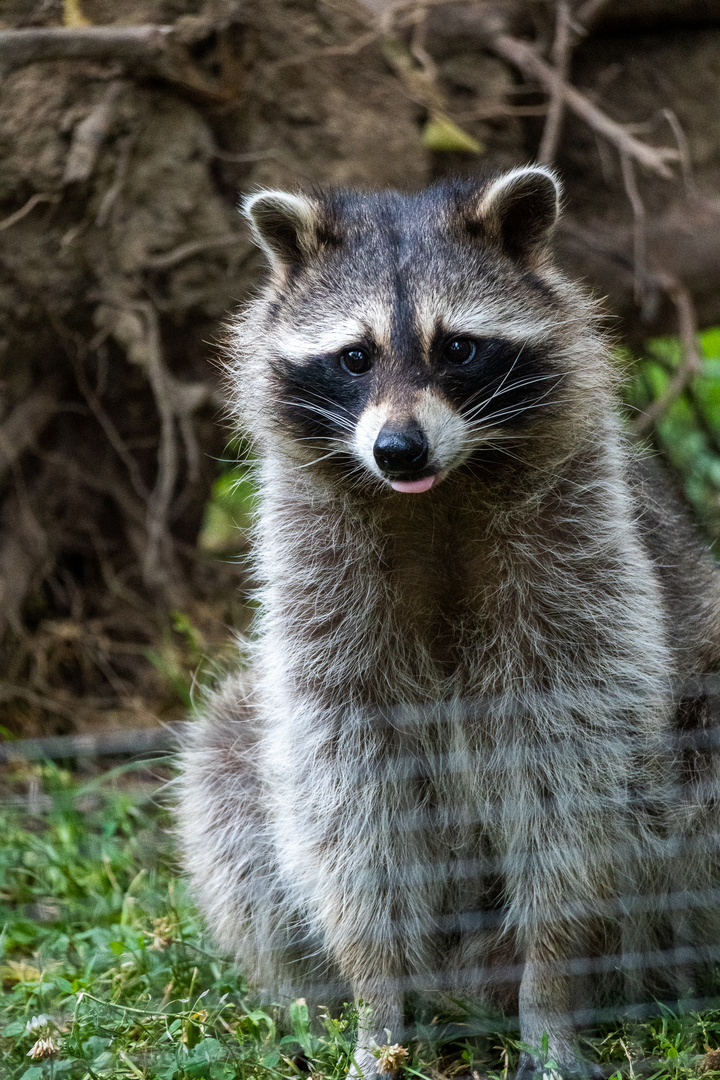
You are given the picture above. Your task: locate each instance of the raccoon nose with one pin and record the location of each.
(401, 449)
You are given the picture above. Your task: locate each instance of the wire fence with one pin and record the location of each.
(649, 942)
(447, 884)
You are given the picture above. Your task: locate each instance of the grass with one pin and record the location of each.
(106, 972)
(101, 952)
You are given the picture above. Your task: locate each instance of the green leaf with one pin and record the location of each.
(16, 1028)
(441, 134)
(104, 1062)
(299, 1017)
(95, 1045)
(228, 513)
(668, 349)
(208, 1050)
(710, 342)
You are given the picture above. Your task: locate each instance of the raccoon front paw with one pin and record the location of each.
(532, 1069)
(364, 1066)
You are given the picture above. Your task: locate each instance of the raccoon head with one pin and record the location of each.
(403, 337)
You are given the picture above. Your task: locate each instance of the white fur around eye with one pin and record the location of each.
(301, 345)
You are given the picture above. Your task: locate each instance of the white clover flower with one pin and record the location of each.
(43, 1048)
(37, 1022)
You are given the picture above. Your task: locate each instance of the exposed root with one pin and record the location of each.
(522, 55)
(121, 251)
(561, 54)
(22, 427)
(89, 136)
(692, 360)
(198, 247)
(33, 201)
(153, 49)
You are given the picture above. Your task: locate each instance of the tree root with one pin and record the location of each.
(155, 50)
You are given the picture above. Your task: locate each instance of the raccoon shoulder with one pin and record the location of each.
(682, 558)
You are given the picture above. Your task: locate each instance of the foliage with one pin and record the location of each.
(106, 972)
(102, 956)
(688, 432)
(228, 513)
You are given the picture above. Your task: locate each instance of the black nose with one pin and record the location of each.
(401, 449)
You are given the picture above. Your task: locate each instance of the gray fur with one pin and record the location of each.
(460, 700)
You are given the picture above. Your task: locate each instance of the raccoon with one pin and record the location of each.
(451, 757)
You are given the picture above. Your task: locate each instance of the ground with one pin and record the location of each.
(107, 972)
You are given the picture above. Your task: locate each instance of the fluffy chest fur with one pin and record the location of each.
(414, 601)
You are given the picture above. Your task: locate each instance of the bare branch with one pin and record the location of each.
(251, 155)
(154, 48)
(639, 236)
(523, 56)
(187, 398)
(351, 49)
(136, 326)
(692, 360)
(418, 45)
(128, 44)
(684, 151)
(588, 11)
(561, 53)
(196, 247)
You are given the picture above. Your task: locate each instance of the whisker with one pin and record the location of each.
(507, 415)
(515, 410)
(507, 373)
(335, 404)
(341, 421)
(497, 435)
(517, 386)
(324, 438)
(317, 461)
(505, 376)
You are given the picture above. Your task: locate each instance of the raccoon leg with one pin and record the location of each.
(544, 1005)
(229, 854)
(380, 1010)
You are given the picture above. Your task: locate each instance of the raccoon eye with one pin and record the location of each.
(460, 350)
(356, 361)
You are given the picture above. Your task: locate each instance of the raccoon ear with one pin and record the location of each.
(521, 209)
(283, 225)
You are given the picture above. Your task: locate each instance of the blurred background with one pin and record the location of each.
(127, 130)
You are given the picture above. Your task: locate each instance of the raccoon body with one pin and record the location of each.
(452, 757)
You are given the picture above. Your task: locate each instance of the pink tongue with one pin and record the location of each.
(411, 486)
